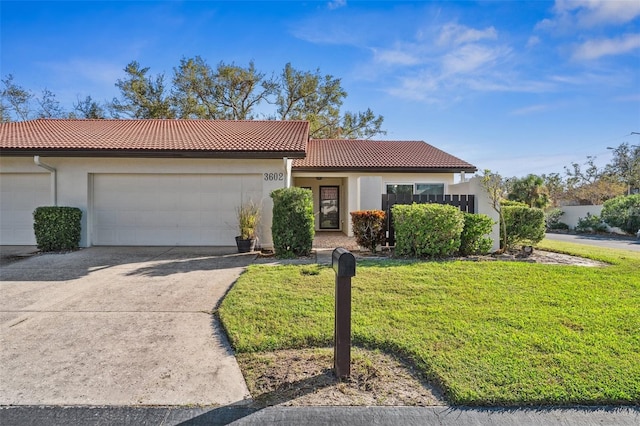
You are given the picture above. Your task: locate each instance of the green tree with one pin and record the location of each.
(16, 100)
(555, 186)
(530, 190)
(49, 106)
(625, 166)
(591, 184)
(88, 108)
(494, 185)
(142, 96)
(623, 212)
(229, 92)
(310, 96)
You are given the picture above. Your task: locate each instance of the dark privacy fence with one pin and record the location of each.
(465, 203)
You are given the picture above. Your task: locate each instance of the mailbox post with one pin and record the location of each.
(344, 265)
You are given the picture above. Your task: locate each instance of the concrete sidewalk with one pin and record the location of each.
(311, 416)
(118, 326)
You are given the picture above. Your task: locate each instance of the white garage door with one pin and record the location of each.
(20, 194)
(164, 209)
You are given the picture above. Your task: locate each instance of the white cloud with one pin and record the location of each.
(569, 14)
(455, 35)
(594, 49)
(95, 71)
(590, 13)
(336, 4)
(396, 56)
(533, 41)
(470, 58)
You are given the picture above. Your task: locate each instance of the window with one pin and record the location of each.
(430, 188)
(400, 189)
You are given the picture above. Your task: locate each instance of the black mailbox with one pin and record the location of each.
(343, 263)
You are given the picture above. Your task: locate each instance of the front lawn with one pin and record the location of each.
(488, 333)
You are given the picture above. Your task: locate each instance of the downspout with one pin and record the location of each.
(54, 173)
(288, 163)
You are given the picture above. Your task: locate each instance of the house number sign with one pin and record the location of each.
(269, 177)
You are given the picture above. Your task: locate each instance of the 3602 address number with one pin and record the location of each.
(270, 177)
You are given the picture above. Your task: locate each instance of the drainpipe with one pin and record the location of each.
(288, 163)
(54, 175)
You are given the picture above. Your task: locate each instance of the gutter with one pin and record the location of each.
(54, 174)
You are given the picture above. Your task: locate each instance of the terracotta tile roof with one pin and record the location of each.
(202, 137)
(362, 155)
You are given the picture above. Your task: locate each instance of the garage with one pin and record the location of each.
(20, 194)
(169, 209)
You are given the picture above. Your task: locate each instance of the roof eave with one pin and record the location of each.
(467, 169)
(146, 153)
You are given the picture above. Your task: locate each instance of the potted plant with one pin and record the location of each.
(248, 218)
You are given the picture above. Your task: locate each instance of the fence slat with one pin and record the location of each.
(465, 203)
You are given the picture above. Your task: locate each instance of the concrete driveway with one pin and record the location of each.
(118, 326)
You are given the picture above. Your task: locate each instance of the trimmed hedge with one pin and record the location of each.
(293, 227)
(57, 228)
(474, 239)
(369, 228)
(427, 230)
(525, 225)
(623, 212)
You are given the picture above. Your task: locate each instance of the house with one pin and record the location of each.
(179, 182)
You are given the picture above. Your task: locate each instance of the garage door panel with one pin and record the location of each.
(20, 194)
(199, 209)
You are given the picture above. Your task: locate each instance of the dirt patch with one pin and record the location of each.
(305, 377)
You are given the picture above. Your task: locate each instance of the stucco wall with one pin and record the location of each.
(483, 204)
(74, 178)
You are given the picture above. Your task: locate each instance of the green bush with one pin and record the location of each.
(552, 218)
(369, 228)
(623, 212)
(558, 226)
(57, 228)
(525, 225)
(292, 228)
(427, 230)
(591, 223)
(474, 239)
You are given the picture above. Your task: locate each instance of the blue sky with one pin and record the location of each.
(516, 87)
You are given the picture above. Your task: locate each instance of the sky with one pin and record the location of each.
(517, 87)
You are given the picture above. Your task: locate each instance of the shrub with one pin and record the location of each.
(369, 228)
(512, 203)
(525, 225)
(474, 239)
(431, 230)
(623, 212)
(591, 223)
(552, 218)
(57, 228)
(293, 222)
(557, 226)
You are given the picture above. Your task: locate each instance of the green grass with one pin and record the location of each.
(488, 333)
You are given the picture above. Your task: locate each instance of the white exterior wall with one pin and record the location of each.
(482, 204)
(363, 191)
(573, 213)
(75, 189)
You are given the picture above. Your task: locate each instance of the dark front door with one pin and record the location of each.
(329, 207)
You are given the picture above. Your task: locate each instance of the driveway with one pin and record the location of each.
(118, 326)
(624, 243)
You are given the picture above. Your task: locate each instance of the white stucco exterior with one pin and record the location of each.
(361, 190)
(75, 182)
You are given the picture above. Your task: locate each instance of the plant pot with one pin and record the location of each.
(245, 246)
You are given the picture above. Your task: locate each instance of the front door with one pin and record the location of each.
(329, 207)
